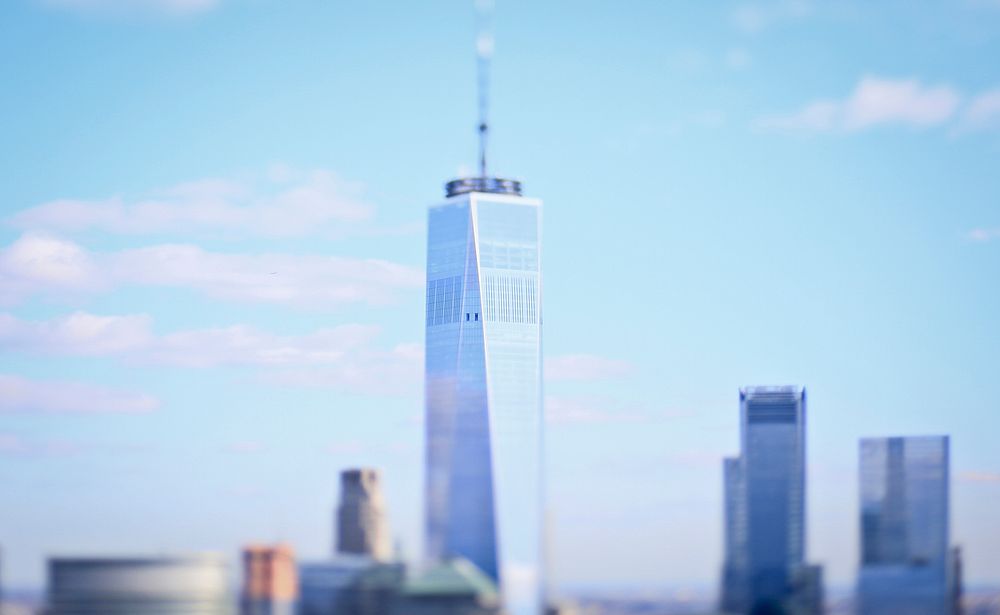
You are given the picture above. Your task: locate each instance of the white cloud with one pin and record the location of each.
(373, 372)
(167, 7)
(11, 444)
(346, 357)
(984, 234)
(752, 18)
(60, 397)
(585, 367)
(282, 203)
(983, 112)
(874, 101)
(42, 264)
(79, 334)
(738, 59)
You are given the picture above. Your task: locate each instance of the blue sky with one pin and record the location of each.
(212, 245)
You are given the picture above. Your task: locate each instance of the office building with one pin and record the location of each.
(484, 386)
(733, 590)
(905, 557)
(362, 522)
(185, 585)
(764, 507)
(270, 586)
(322, 585)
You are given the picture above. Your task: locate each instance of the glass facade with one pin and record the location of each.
(733, 590)
(773, 482)
(904, 526)
(484, 390)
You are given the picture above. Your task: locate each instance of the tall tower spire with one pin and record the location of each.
(484, 54)
(483, 182)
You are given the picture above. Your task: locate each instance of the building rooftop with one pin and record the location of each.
(457, 577)
(492, 185)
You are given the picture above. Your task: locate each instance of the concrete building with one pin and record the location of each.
(270, 584)
(183, 585)
(362, 523)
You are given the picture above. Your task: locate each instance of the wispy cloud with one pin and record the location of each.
(165, 7)
(43, 264)
(979, 477)
(282, 203)
(15, 445)
(599, 409)
(19, 394)
(984, 234)
(347, 357)
(246, 447)
(875, 101)
(982, 113)
(752, 18)
(585, 367)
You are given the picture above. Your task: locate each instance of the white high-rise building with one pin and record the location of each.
(484, 386)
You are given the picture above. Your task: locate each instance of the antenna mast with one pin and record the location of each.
(484, 54)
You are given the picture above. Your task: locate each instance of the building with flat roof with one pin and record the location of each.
(362, 526)
(178, 585)
(270, 584)
(906, 564)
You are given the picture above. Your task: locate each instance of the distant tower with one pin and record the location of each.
(362, 527)
(774, 475)
(270, 584)
(764, 495)
(905, 559)
(733, 590)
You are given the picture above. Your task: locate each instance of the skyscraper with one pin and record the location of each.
(270, 585)
(905, 563)
(362, 526)
(764, 497)
(773, 421)
(484, 385)
(733, 590)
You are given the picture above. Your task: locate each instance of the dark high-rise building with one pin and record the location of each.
(733, 591)
(362, 526)
(905, 559)
(764, 494)
(774, 485)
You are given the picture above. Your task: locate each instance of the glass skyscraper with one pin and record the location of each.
(765, 501)
(484, 386)
(905, 565)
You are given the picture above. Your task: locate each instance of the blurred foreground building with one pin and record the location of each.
(362, 526)
(484, 386)
(270, 586)
(185, 585)
(907, 567)
(764, 508)
(323, 586)
(455, 587)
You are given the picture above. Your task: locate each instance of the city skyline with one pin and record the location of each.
(211, 257)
